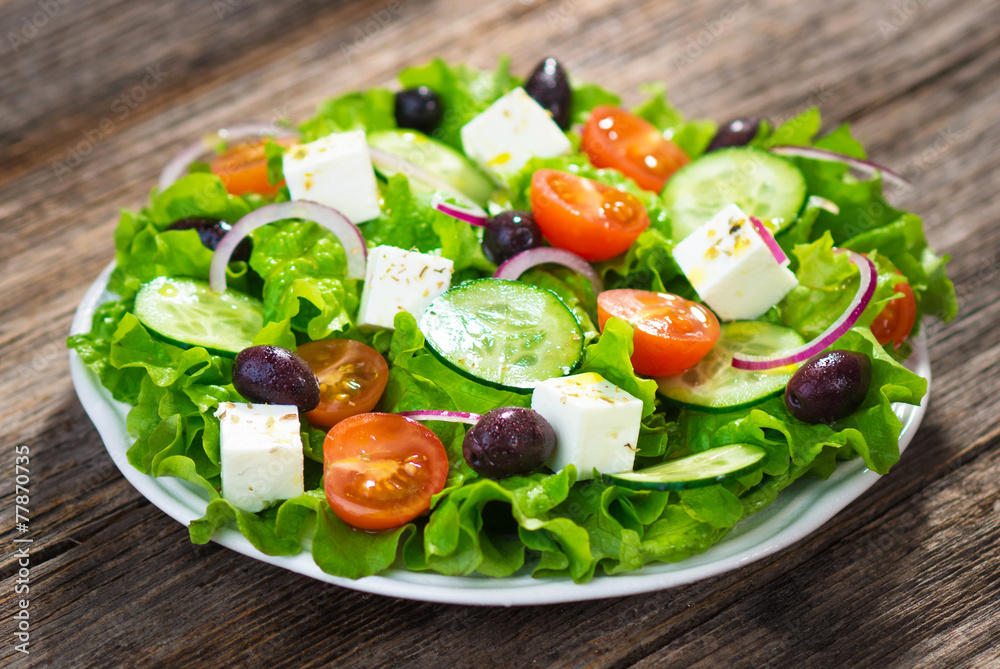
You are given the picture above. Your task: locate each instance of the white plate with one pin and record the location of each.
(798, 511)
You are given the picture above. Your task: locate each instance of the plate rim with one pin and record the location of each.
(795, 519)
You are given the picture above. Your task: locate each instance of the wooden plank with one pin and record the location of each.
(117, 579)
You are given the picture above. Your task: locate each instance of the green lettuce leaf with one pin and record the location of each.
(144, 250)
(904, 244)
(304, 268)
(828, 282)
(457, 540)
(692, 136)
(464, 91)
(609, 357)
(677, 536)
(374, 109)
(419, 380)
(799, 130)
(409, 221)
(866, 222)
(587, 96)
(647, 265)
(94, 348)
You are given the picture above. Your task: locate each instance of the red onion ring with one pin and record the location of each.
(178, 165)
(445, 416)
(349, 235)
(514, 267)
(866, 166)
(467, 213)
(846, 321)
(769, 241)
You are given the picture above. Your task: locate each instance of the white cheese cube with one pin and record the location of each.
(398, 280)
(596, 423)
(732, 268)
(512, 131)
(261, 454)
(335, 170)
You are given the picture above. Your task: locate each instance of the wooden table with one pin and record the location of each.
(96, 95)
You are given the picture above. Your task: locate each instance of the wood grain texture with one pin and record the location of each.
(907, 575)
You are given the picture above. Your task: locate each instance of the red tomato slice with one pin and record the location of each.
(351, 376)
(243, 168)
(594, 221)
(895, 322)
(381, 470)
(621, 140)
(671, 334)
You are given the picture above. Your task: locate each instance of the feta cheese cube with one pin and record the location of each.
(398, 280)
(513, 130)
(261, 454)
(596, 423)
(732, 268)
(335, 170)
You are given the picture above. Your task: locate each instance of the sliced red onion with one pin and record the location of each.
(445, 416)
(466, 212)
(817, 202)
(179, 164)
(514, 267)
(349, 235)
(769, 241)
(866, 166)
(390, 161)
(846, 321)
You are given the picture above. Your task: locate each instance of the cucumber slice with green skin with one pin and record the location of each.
(436, 158)
(506, 334)
(186, 312)
(760, 183)
(715, 386)
(716, 465)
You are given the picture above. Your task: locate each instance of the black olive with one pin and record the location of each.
(211, 232)
(829, 386)
(738, 132)
(275, 375)
(507, 442)
(509, 233)
(549, 87)
(418, 108)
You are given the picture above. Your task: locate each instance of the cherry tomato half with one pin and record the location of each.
(671, 334)
(381, 470)
(895, 322)
(594, 221)
(351, 376)
(621, 140)
(243, 168)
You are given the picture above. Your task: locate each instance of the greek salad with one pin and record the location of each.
(485, 324)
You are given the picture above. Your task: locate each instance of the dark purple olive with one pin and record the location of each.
(508, 441)
(211, 232)
(549, 87)
(418, 108)
(738, 132)
(275, 375)
(508, 233)
(829, 387)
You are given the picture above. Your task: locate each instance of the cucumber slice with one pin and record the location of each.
(439, 159)
(186, 312)
(715, 465)
(506, 334)
(715, 386)
(760, 183)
